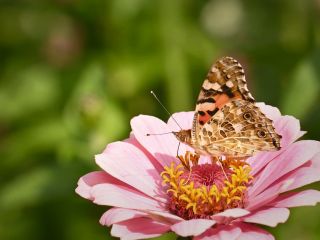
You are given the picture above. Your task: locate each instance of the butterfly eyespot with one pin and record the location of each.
(261, 134)
(205, 132)
(258, 125)
(247, 116)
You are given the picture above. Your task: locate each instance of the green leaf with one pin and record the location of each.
(166, 236)
(28, 91)
(20, 146)
(27, 189)
(301, 93)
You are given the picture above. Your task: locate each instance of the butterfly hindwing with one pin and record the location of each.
(238, 129)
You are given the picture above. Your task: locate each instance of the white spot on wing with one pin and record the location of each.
(219, 116)
(237, 127)
(239, 111)
(208, 85)
(209, 128)
(214, 69)
(229, 84)
(250, 96)
(205, 106)
(216, 86)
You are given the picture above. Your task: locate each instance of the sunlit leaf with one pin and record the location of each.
(27, 189)
(166, 236)
(27, 91)
(41, 137)
(299, 95)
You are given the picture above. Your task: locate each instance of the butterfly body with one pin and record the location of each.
(226, 120)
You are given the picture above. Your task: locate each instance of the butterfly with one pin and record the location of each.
(226, 120)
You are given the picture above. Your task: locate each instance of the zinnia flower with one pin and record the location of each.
(152, 192)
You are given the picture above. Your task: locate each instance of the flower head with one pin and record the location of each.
(152, 191)
(202, 190)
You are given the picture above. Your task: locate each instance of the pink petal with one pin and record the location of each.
(127, 163)
(221, 232)
(260, 160)
(168, 216)
(269, 217)
(315, 161)
(299, 177)
(139, 228)
(162, 147)
(297, 199)
(229, 214)
(289, 128)
(295, 179)
(293, 157)
(86, 182)
(270, 111)
(132, 140)
(266, 197)
(115, 215)
(123, 197)
(233, 213)
(251, 232)
(184, 119)
(192, 227)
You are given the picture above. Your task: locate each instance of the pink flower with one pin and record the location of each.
(150, 193)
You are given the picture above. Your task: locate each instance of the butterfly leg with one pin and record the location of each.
(218, 160)
(235, 161)
(189, 159)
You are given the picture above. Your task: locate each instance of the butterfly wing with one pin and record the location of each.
(238, 129)
(225, 82)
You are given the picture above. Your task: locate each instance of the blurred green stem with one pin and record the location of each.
(177, 81)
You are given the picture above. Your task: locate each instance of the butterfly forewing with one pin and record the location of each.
(225, 81)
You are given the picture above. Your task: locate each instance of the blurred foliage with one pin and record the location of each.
(74, 72)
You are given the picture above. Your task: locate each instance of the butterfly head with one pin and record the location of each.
(183, 136)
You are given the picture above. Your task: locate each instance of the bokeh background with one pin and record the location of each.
(74, 72)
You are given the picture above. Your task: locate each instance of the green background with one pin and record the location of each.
(74, 72)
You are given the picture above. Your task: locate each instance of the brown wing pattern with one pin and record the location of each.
(225, 81)
(226, 121)
(238, 129)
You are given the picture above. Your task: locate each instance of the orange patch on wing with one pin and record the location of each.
(223, 98)
(237, 95)
(203, 119)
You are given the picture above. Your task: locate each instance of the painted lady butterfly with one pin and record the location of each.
(226, 120)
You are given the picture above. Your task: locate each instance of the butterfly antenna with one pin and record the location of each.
(155, 134)
(155, 96)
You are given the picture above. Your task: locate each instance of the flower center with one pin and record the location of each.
(201, 190)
